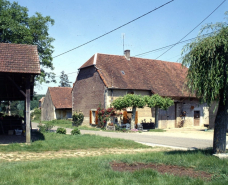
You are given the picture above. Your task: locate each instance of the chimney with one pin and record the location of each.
(127, 54)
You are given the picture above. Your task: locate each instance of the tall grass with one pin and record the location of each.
(97, 170)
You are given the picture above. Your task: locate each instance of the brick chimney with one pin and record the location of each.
(127, 54)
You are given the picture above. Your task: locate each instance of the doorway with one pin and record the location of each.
(196, 118)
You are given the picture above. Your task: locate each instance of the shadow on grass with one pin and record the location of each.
(36, 135)
(208, 151)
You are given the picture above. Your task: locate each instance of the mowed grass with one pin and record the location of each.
(97, 170)
(66, 124)
(55, 142)
(157, 130)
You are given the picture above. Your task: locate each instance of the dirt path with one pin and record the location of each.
(28, 156)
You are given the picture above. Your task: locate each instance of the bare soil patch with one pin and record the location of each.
(162, 168)
(28, 156)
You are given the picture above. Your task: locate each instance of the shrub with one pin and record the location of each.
(75, 131)
(61, 131)
(46, 127)
(77, 119)
(36, 114)
(117, 127)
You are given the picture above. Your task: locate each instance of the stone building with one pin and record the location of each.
(103, 78)
(57, 104)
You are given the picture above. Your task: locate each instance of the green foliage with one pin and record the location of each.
(207, 59)
(75, 131)
(158, 101)
(61, 131)
(46, 127)
(36, 114)
(77, 118)
(132, 100)
(64, 81)
(129, 100)
(16, 26)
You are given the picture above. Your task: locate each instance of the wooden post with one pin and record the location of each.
(25, 111)
(156, 117)
(28, 128)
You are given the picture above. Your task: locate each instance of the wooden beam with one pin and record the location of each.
(28, 126)
(16, 85)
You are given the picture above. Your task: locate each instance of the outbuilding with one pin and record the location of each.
(57, 104)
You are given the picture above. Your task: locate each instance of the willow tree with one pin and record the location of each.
(130, 100)
(207, 60)
(158, 102)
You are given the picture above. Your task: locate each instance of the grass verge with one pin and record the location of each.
(55, 142)
(157, 130)
(66, 124)
(97, 170)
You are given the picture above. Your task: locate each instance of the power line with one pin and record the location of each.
(114, 29)
(191, 30)
(67, 73)
(164, 47)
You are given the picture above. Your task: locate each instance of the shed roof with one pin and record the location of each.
(61, 97)
(161, 77)
(19, 58)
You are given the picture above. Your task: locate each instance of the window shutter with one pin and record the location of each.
(90, 117)
(96, 119)
(125, 117)
(136, 117)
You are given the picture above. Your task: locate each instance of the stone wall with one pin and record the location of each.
(88, 92)
(167, 118)
(144, 115)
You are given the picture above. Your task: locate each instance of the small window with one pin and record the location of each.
(130, 92)
(123, 72)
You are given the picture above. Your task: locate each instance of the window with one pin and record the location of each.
(130, 92)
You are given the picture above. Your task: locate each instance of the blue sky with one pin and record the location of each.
(79, 21)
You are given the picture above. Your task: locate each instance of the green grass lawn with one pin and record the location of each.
(55, 142)
(157, 130)
(97, 170)
(66, 124)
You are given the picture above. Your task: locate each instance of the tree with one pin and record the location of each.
(130, 100)
(207, 59)
(17, 27)
(138, 101)
(64, 81)
(158, 102)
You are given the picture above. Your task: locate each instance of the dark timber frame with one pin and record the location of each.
(18, 86)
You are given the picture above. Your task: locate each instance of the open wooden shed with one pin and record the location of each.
(19, 64)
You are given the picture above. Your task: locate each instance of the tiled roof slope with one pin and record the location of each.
(61, 97)
(19, 58)
(164, 78)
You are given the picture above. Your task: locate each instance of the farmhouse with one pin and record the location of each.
(103, 78)
(57, 104)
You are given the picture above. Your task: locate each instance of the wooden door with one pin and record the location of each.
(196, 118)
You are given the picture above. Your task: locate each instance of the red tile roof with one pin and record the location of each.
(164, 78)
(61, 97)
(19, 58)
